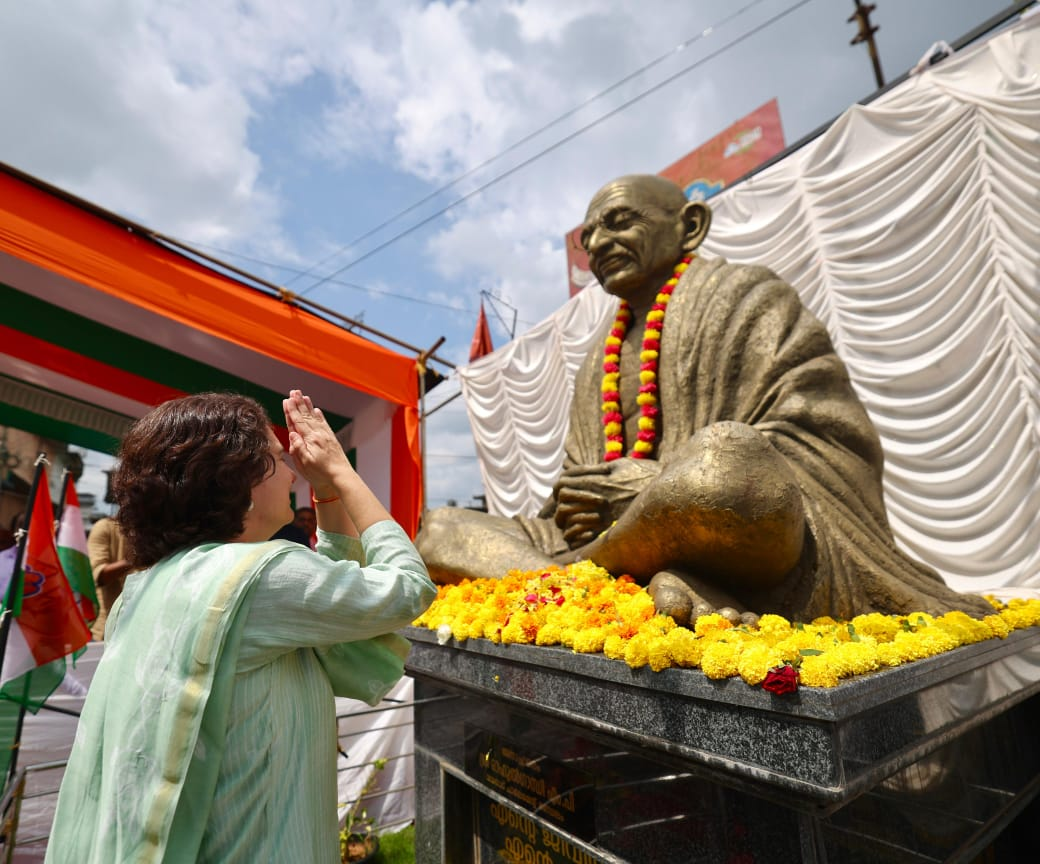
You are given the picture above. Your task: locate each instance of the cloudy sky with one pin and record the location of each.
(393, 160)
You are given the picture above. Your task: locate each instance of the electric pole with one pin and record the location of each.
(866, 34)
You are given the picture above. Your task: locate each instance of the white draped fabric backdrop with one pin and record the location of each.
(911, 228)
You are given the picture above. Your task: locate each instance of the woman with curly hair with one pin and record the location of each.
(209, 730)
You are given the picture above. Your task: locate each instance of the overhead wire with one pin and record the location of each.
(554, 146)
(529, 137)
(367, 289)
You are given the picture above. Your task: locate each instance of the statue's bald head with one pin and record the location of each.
(646, 189)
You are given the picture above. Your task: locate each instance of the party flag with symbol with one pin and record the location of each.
(72, 550)
(46, 622)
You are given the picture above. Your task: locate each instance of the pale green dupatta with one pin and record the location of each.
(141, 778)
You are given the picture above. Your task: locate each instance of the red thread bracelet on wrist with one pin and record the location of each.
(325, 500)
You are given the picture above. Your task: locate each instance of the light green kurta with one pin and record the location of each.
(209, 731)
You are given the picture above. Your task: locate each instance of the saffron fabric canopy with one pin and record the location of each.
(99, 322)
(910, 228)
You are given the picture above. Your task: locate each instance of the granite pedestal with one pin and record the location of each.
(533, 754)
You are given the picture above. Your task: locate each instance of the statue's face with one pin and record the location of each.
(633, 238)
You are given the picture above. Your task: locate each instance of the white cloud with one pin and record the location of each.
(547, 20)
(108, 110)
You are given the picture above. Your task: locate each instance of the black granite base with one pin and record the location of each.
(528, 754)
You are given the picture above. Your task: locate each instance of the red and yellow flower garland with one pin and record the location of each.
(613, 419)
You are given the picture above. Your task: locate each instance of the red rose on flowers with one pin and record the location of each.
(781, 680)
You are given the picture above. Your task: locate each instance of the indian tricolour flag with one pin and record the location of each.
(72, 550)
(45, 622)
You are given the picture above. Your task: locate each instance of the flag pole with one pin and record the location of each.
(66, 478)
(420, 365)
(16, 744)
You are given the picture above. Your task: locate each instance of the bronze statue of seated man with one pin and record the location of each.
(716, 450)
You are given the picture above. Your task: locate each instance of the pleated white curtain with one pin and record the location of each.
(912, 229)
(517, 399)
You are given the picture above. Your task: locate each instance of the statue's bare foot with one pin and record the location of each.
(686, 598)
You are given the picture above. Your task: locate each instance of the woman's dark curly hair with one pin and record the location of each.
(186, 473)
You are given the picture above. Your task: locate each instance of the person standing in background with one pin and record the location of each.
(106, 549)
(301, 530)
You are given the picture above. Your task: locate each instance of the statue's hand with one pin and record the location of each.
(590, 497)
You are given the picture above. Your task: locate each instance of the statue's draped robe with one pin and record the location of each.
(739, 345)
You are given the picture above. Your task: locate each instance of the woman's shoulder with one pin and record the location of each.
(256, 556)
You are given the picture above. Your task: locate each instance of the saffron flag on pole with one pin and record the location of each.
(481, 343)
(47, 623)
(72, 550)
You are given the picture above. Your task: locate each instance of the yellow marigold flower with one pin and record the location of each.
(614, 445)
(824, 621)
(590, 641)
(646, 399)
(1014, 616)
(659, 655)
(681, 268)
(962, 627)
(648, 354)
(883, 628)
(684, 647)
(612, 428)
(816, 671)
(637, 602)
(610, 383)
(637, 651)
(587, 570)
(1021, 613)
(993, 601)
(997, 625)
(460, 628)
(614, 647)
(647, 377)
(853, 658)
(720, 659)
(612, 340)
(889, 655)
(549, 634)
(926, 642)
(712, 623)
(654, 315)
(657, 625)
(755, 661)
(512, 634)
(645, 424)
(573, 617)
(774, 626)
(791, 647)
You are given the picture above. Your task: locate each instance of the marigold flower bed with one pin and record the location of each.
(584, 608)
